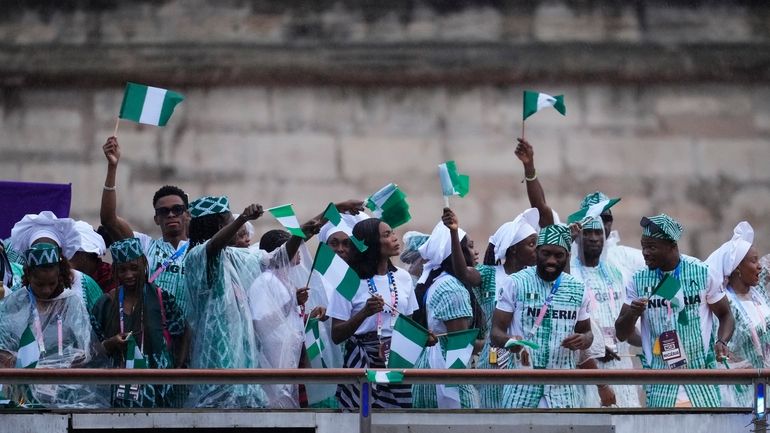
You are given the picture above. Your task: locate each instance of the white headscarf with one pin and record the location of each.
(346, 226)
(46, 225)
(90, 241)
(728, 256)
(436, 249)
(525, 224)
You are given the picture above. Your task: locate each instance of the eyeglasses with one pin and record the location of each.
(177, 209)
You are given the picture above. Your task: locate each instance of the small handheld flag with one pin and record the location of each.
(536, 101)
(333, 215)
(285, 215)
(384, 376)
(148, 105)
(389, 204)
(525, 343)
(452, 182)
(29, 350)
(407, 343)
(335, 272)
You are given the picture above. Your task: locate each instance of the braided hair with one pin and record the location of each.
(365, 263)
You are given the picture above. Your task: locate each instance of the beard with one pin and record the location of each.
(549, 274)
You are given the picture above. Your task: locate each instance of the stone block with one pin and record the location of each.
(704, 100)
(401, 111)
(87, 180)
(618, 108)
(311, 197)
(740, 160)
(472, 24)
(761, 107)
(558, 22)
(399, 159)
(299, 156)
(718, 23)
(228, 109)
(45, 120)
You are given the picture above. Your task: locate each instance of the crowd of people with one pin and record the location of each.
(546, 295)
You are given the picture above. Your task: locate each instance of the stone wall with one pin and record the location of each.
(668, 107)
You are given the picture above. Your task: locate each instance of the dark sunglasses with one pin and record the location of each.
(177, 209)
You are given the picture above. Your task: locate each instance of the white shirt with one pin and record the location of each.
(342, 309)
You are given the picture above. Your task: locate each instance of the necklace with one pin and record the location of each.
(393, 307)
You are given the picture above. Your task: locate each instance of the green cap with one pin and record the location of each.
(661, 227)
(555, 234)
(209, 205)
(126, 250)
(42, 254)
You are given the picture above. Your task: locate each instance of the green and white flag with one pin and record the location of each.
(389, 204)
(313, 343)
(384, 376)
(407, 343)
(148, 105)
(286, 216)
(452, 182)
(335, 272)
(593, 211)
(535, 101)
(134, 356)
(459, 348)
(333, 215)
(29, 351)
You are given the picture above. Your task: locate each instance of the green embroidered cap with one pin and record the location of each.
(42, 254)
(593, 198)
(209, 205)
(126, 250)
(661, 227)
(555, 234)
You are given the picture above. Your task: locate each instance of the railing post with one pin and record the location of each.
(365, 408)
(760, 405)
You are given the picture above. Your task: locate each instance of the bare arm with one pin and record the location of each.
(467, 274)
(115, 225)
(535, 192)
(625, 325)
(344, 329)
(223, 237)
(721, 309)
(582, 338)
(313, 226)
(501, 321)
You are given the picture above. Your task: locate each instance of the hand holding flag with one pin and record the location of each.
(452, 182)
(147, 104)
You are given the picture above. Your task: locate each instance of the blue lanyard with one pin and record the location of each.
(162, 267)
(676, 271)
(554, 289)
(38, 330)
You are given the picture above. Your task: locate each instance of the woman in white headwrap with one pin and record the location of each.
(449, 306)
(511, 249)
(64, 233)
(736, 264)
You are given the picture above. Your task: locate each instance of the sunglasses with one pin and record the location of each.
(177, 209)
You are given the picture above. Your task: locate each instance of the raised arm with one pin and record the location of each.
(467, 274)
(313, 226)
(535, 192)
(222, 238)
(117, 227)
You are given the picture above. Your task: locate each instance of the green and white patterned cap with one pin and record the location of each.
(42, 254)
(593, 224)
(209, 205)
(555, 234)
(126, 250)
(661, 227)
(593, 198)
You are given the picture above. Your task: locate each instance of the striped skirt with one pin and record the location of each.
(363, 351)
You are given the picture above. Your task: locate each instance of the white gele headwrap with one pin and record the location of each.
(437, 248)
(46, 225)
(524, 225)
(90, 241)
(728, 256)
(346, 226)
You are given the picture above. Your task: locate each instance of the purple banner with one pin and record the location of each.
(20, 198)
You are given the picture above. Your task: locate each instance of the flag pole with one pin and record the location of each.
(117, 123)
(446, 201)
(312, 267)
(522, 129)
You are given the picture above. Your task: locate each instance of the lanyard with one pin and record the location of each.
(393, 299)
(610, 288)
(545, 306)
(177, 254)
(676, 276)
(38, 328)
(141, 315)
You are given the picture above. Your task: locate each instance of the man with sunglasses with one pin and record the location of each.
(166, 254)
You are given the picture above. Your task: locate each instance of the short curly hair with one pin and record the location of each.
(167, 190)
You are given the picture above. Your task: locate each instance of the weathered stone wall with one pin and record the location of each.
(668, 107)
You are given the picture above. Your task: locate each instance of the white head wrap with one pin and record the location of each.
(513, 232)
(346, 226)
(90, 241)
(728, 256)
(436, 249)
(249, 227)
(46, 225)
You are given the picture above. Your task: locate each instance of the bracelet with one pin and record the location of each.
(530, 179)
(720, 341)
(109, 188)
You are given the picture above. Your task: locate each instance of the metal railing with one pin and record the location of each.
(755, 377)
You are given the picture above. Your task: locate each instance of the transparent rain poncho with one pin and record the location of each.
(221, 321)
(77, 348)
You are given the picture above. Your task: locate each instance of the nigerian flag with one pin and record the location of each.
(384, 376)
(313, 343)
(389, 204)
(407, 343)
(335, 272)
(134, 356)
(459, 347)
(333, 215)
(286, 216)
(593, 211)
(148, 105)
(29, 351)
(452, 182)
(535, 101)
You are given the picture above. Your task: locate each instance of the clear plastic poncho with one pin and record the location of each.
(223, 332)
(79, 348)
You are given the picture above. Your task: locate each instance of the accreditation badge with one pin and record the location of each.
(671, 350)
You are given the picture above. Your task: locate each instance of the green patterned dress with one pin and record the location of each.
(690, 316)
(447, 299)
(172, 280)
(524, 294)
(223, 332)
(492, 278)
